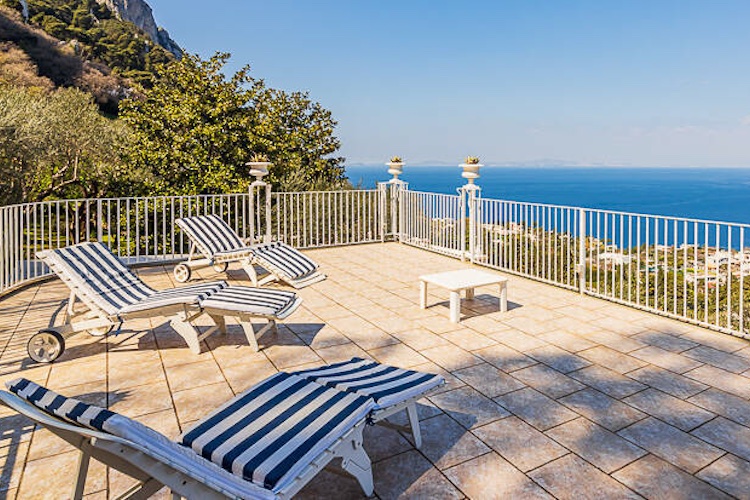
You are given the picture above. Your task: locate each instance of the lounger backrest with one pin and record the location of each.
(97, 276)
(211, 234)
(387, 385)
(283, 259)
(93, 417)
(270, 433)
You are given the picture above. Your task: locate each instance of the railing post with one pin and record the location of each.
(259, 169)
(99, 228)
(470, 195)
(382, 203)
(392, 191)
(581, 250)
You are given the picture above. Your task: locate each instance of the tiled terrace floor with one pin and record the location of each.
(563, 396)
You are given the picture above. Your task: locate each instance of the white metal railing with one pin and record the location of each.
(694, 270)
(689, 269)
(142, 230)
(314, 219)
(432, 221)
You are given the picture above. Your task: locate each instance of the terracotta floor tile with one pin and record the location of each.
(666, 359)
(196, 403)
(612, 359)
(722, 379)
(519, 443)
(602, 409)
(559, 359)
(535, 408)
(491, 477)
(451, 357)
(505, 358)
(655, 478)
(445, 443)
(730, 474)
(672, 410)
(572, 478)
(488, 380)
(666, 381)
(470, 408)
(671, 444)
(727, 435)
(409, 475)
(548, 381)
(607, 381)
(595, 444)
(728, 405)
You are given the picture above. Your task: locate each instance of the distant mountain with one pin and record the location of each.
(139, 13)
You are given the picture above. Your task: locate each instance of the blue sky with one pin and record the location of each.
(654, 83)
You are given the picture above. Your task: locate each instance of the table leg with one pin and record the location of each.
(423, 294)
(504, 297)
(469, 293)
(455, 307)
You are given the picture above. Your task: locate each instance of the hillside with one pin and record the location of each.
(78, 43)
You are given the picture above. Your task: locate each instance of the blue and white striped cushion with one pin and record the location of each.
(282, 259)
(69, 409)
(101, 280)
(272, 431)
(386, 385)
(211, 234)
(98, 274)
(261, 301)
(189, 295)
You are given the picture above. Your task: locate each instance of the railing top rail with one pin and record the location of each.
(433, 193)
(327, 191)
(620, 212)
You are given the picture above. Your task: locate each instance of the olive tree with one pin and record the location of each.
(195, 128)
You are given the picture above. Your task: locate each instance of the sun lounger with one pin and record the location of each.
(267, 442)
(113, 294)
(219, 245)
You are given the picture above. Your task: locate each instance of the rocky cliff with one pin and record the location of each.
(139, 13)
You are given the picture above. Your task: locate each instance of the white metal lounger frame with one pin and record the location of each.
(180, 316)
(153, 470)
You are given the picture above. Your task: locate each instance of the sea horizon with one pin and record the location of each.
(706, 193)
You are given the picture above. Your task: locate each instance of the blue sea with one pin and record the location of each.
(718, 194)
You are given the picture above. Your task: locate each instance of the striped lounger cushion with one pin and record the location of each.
(93, 417)
(386, 385)
(284, 260)
(272, 431)
(245, 299)
(105, 282)
(213, 237)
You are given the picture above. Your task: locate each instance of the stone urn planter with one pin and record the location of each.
(470, 168)
(395, 167)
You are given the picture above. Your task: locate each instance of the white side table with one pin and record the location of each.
(457, 281)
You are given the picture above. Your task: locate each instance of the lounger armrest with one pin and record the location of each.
(29, 410)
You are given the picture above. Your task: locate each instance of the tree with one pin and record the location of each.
(57, 145)
(194, 130)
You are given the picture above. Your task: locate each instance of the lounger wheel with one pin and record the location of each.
(45, 346)
(221, 267)
(182, 273)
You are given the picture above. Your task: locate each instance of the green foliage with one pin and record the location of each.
(194, 130)
(98, 35)
(57, 145)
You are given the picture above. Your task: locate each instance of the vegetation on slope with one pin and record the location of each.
(96, 35)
